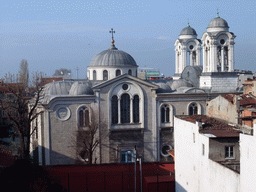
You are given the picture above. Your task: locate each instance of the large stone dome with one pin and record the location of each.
(113, 58)
(218, 24)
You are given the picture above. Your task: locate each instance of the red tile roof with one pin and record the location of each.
(247, 99)
(229, 97)
(213, 126)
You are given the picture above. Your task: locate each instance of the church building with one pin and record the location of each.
(134, 116)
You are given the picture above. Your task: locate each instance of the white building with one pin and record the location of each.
(206, 155)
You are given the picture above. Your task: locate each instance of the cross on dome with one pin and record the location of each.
(112, 31)
(218, 13)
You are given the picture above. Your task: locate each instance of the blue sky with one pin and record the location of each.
(67, 34)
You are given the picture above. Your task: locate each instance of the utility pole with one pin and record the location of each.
(135, 168)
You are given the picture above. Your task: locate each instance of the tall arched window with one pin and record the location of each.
(105, 75)
(125, 108)
(114, 110)
(136, 109)
(83, 117)
(165, 114)
(94, 75)
(130, 72)
(118, 72)
(193, 109)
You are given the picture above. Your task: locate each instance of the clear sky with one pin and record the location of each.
(67, 34)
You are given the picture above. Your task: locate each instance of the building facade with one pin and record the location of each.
(135, 117)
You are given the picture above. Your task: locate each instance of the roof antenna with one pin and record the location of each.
(217, 13)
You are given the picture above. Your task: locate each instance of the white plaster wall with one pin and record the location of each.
(222, 109)
(111, 72)
(195, 171)
(247, 162)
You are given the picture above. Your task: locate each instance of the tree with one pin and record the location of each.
(88, 138)
(23, 73)
(20, 110)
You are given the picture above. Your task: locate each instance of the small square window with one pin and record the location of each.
(229, 152)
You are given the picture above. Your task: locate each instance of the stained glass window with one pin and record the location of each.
(125, 108)
(114, 103)
(136, 109)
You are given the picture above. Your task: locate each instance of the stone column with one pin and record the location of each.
(184, 59)
(208, 59)
(231, 58)
(204, 59)
(47, 144)
(191, 58)
(177, 62)
(40, 143)
(222, 60)
(198, 56)
(213, 59)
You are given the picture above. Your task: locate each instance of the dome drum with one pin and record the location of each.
(111, 63)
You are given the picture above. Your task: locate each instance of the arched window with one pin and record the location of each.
(118, 72)
(105, 75)
(114, 110)
(125, 108)
(165, 114)
(136, 109)
(130, 72)
(193, 109)
(94, 75)
(83, 117)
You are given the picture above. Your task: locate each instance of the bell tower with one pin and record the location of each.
(218, 57)
(187, 50)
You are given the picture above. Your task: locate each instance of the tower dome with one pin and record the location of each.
(188, 32)
(218, 24)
